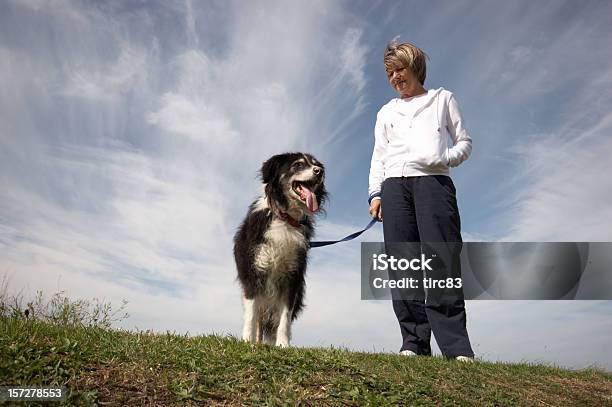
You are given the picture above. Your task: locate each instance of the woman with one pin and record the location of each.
(409, 180)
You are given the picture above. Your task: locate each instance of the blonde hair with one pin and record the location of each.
(406, 55)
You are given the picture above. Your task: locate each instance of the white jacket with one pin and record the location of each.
(411, 138)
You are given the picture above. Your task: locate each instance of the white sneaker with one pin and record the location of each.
(465, 359)
(407, 353)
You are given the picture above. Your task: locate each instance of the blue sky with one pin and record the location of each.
(131, 133)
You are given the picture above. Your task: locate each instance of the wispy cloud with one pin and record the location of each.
(563, 193)
(151, 153)
(353, 58)
(105, 83)
(557, 159)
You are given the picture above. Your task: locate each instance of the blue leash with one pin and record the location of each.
(349, 237)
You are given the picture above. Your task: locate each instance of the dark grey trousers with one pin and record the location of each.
(424, 209)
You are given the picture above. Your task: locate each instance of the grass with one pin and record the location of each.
(102, 366)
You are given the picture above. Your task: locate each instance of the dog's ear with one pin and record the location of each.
(269, 169)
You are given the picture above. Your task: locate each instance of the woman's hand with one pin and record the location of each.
(376, 210)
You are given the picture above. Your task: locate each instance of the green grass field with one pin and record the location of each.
(100, 366)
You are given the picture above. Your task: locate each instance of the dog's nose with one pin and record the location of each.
(317, 170)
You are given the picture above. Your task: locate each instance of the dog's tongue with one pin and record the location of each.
(310, 198)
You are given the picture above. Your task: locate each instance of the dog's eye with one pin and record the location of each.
(298, 165)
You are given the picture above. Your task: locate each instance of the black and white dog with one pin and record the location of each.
(271, 246)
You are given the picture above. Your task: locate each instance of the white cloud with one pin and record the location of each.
(192, 118)
(142, 186)
(563, 188)
(54, 9)
(190, 23)
(540, 158)
(353, 58)
(151, 224)
(104, 83)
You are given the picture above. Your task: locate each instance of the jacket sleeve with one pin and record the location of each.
(462, 143)
(377, 166)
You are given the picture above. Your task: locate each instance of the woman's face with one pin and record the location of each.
(402, 80)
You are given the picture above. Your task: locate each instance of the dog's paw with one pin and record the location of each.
(248, 338)
(282, 343)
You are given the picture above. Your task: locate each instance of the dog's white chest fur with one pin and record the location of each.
(278, 255)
